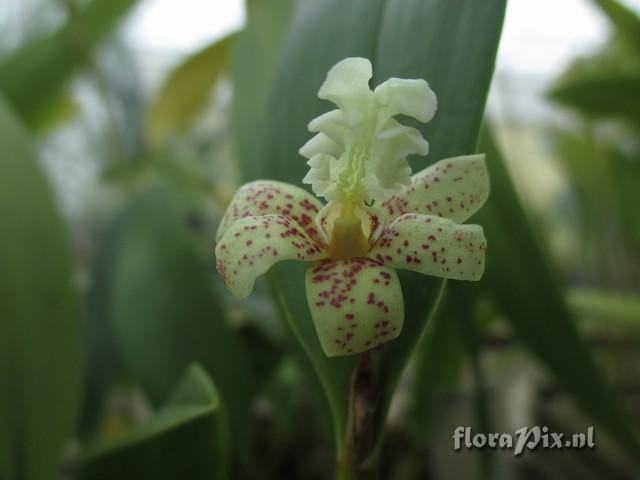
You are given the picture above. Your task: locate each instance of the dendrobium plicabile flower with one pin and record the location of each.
(378, 217)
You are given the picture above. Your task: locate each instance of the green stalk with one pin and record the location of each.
(346, 468)
(364, 401)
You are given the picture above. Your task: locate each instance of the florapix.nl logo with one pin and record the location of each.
(523, 439)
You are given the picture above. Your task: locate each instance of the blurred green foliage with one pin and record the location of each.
(186, 437)
(22, 75)
(602, 154)
(123, 299)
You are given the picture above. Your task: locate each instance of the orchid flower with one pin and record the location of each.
(357, 159)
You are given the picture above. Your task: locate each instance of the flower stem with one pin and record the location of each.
(346, 469)
(363, 407)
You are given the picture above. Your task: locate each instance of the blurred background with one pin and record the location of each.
(125, 128)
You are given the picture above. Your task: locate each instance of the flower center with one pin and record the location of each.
(347, 237)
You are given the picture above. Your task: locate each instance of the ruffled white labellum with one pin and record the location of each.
(360, 151)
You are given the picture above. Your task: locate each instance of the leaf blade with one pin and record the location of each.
(163, 309)
(39, 330)
(185, 91)
(159, 447)
(601, 95)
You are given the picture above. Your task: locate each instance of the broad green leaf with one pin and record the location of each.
(39, 323)
(163, 307)
(626, 21)
(103, 364)
(526, 289)
(185, 91)
(601, 95)
(453, 47)
(186, 438)
(33, 77)
(255, 57)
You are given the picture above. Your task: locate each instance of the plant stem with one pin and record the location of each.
(363, 406)
(346, 469)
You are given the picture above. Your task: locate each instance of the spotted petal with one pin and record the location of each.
(250, 246)
(356, 304)
(347, 85)
(453, 188)
(432, 245)
(408, 97)
(264, 197)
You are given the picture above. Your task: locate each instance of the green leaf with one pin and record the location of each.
(439, 363)
(287, 281)
(255, 58)
(163, 307)
(185, 91)
(626, 21)
(601, 95)
(453, 47)
(39, 324)
(421, 298)
(186, 438)
(33, 77)
(603, 84)
(103, 364)
(526, 289)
